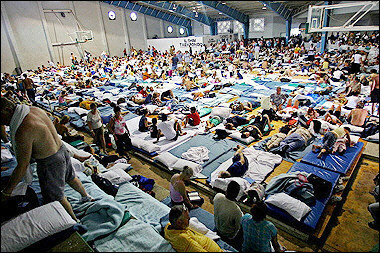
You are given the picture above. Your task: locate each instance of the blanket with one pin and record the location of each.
(260, 164)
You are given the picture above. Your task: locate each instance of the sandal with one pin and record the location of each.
(338, 188)
(335, 199)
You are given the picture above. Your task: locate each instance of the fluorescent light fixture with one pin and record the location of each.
(181, 31)
(170, 29)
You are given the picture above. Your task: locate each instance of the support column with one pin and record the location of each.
(246, 30)
(162, 29)
(326, 22)
(288, 28)
(144, 32)
(126, 33)
(214, 28)
(189, 31)
(103, 30)
(46, 33)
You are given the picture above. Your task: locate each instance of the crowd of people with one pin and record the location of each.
(353, 64)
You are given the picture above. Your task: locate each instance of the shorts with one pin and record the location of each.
(375, 96)
(216, 120)
(53, 172)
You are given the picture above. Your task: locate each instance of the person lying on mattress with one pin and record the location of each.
(182, 237)
(295, 140)
(170, 128)
(239, 164)
(276, 139)
(235, 121)
(330, 138)
(256, 129)
(213, 121)
(239, 106)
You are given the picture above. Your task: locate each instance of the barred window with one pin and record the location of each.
(224, 26)
(238, 27)
(256, 24)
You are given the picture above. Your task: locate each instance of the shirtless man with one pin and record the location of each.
(37, 138)
(358, 115)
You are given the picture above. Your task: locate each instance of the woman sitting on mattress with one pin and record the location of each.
(63, 130)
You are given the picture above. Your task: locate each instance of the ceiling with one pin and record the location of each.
(250, 8)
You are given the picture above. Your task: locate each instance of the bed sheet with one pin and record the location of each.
(336, 163)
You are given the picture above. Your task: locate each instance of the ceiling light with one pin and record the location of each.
(264, 8)
(223, 3)
(174, 7)
(220, 13)
(196, 14)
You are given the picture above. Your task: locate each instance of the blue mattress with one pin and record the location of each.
(310, 221)
(336, 163)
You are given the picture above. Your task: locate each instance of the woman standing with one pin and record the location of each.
(95, 124)
(118, 127)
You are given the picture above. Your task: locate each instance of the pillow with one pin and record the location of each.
(150, 147)
(354, 129)
(354, 138)
(80, 111)
(6, 155)
(237, 136)
(182, 163)
(292, 206)
(167, 159)
(137, 142)
(116, 176)
(120, 166)
(34, 225)
(221, 111)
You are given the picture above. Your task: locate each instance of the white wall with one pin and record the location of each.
(32, 42)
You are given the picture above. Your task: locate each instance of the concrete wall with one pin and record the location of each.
(27, 32)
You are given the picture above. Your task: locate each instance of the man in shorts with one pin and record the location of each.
(36, 137)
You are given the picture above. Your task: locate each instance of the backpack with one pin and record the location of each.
(322, 187)
(105, 185)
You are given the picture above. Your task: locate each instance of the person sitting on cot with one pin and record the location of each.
(330, 138)
(170, 128)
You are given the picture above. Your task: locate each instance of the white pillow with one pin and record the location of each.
(373, 137)
(33, 226)
(116, 176)
(355, 129)
(182, 163)
(80, 111)
(354, 138)
(137, 142)
(221, 111)
(6, 155)
(167, 159)
(237, 136)
(292, 206)
(120, 166)
(150, 147)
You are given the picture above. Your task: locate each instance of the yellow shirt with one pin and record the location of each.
(190, 241)
(325, 65)
(85, 104)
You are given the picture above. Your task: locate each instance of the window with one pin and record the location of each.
(256, 25)
(181, 31)
(111, 15)
(224, 27)
(238, 27)
(133, 16)
(170, 29)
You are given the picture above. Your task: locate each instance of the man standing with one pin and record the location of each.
(29, 87)
(375, 91)
(33, 135)
(174, 61)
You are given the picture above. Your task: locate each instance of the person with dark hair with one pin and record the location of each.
(64, 131)
(28, 85)
(184, 239)
(227, 215)
(276, 139)
(95, 124)
(260, 125)
(118, 127)
(171, 129)
(330, 138)
(239, 163)
(258, 233)
(144, 123)
(193, 118)
(153, 129)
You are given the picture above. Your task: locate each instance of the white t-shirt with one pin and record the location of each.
(352, 101)
(337, 74)
(96, 120)
(227, 215)
(167, 128)
(357, 58)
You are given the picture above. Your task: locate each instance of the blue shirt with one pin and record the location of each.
(257, 235)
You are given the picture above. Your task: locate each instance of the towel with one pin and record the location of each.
(196, 154)
(20, 113)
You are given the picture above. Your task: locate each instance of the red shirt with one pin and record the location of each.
(195, 117)
(143, 93)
